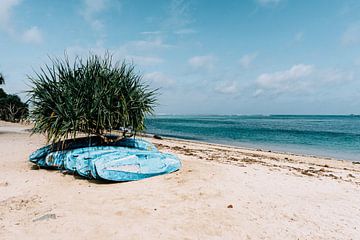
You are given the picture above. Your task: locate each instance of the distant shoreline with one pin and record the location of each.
(151, 135)
(330, 136)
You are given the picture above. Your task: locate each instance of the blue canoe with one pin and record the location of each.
(134, 166)
(136, 143)
(41, 153)
(80, 160)
(83, 161)
(117, 163)
(49, 156)
(70, 158)
(126, 160)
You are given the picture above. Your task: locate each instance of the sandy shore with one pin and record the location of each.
(220, 193)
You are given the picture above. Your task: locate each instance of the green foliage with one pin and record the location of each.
(11, 107)
(2, 93)
(92, 96)
(2, 80)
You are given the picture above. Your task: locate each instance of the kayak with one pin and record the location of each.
(71, 157)
(41, 153)
(137, 143)
(84, 160)
(126, 160)
(50, 156)
(136, 166)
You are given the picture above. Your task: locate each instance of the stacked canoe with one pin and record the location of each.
(128, 159)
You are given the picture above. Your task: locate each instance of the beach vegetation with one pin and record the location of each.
(92, 95)
(11, 107)
(2, 80)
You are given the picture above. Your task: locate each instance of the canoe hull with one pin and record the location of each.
(135, 166)
(126, 160)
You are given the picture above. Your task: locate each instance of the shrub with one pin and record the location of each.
(92, 96)
(11, 107)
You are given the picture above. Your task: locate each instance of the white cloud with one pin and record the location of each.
(159, 79)
(178, 14)
(185, 31)
(202, 62)
(288, 80)
(6, 8)
(268, 2)
(258, 92)
(151, 32)
(351, 35)
(80, 50)
(301, 78)
(227, 88)
(33, 35)
(295, 72)
(246, 60)
(151, 44)
(142, 52)
(91, 9)
(145, 60)
(335, 76)
(179, 18)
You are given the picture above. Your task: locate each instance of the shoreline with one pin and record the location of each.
(329, 136)
(314, 166)
(150, 135)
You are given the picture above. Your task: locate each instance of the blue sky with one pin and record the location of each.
(207, 56)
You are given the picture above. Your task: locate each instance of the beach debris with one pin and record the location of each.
(35, 167)
(4, 184)
(307, 172)
(177, 148)
(157, 137)
(333, 176)
(230, 206)
(45, 217)
(355, 162)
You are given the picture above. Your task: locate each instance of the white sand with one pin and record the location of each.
(220, 193)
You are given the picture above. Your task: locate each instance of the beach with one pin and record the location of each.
(221, 192)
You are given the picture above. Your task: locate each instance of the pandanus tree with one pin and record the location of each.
(2, 80)
(91, 95)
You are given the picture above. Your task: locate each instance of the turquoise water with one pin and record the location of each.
(329, 136)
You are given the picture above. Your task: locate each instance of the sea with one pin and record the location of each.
(336, 136)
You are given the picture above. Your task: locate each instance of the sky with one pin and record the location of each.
(205, 56)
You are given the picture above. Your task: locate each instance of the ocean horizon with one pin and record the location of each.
(335, 136)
